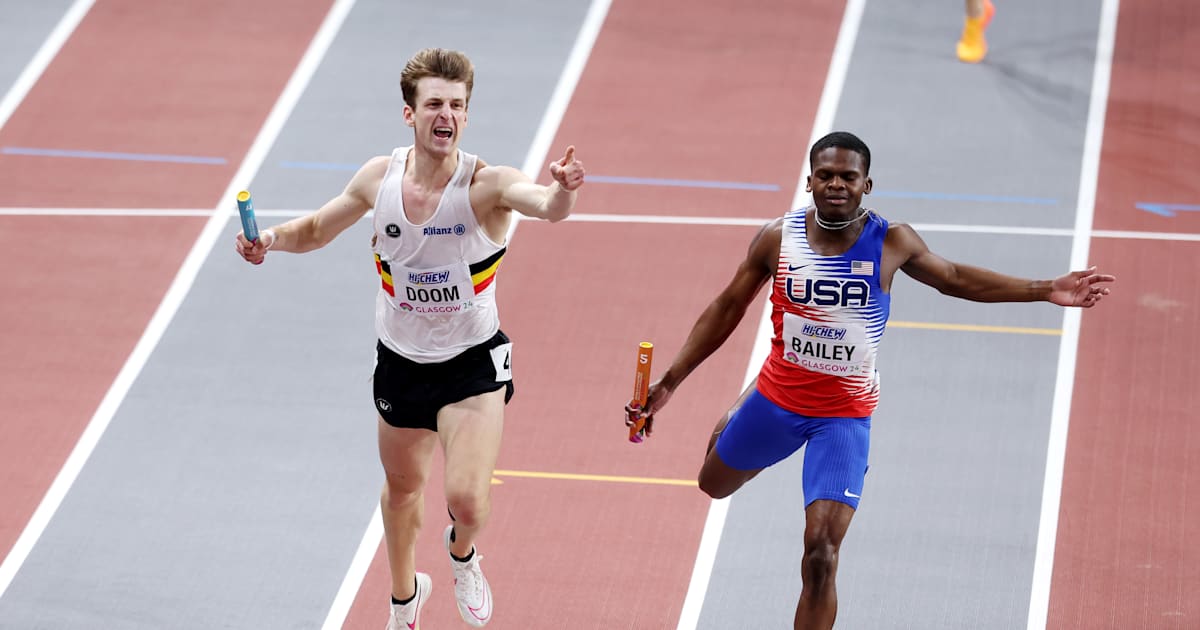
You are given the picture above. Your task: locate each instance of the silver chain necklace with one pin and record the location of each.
(838, 225)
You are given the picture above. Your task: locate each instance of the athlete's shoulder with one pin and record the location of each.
(903, 238)
(370, 175)
(494, 177)
(376, 163)
(766, 244)
(771, 231)
(899, 229)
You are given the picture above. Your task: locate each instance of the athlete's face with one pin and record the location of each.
(440, 114)
(838, 182)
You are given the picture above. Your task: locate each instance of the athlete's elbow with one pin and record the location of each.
(310, 242)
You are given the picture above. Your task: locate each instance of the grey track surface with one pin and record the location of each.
(945, 535)
(234, 484)
(1012, 126)
(23, 27)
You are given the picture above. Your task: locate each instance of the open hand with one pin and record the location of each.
(1080, 288)
(568, 172)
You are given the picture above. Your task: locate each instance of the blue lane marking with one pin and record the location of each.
(107, 155)
(696, 183)
(593, 179)
(902, 194)
(321, 166)
(1166, 209)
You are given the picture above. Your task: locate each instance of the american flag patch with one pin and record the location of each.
(862, 268)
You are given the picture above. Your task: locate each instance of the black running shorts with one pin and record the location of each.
(408, 394)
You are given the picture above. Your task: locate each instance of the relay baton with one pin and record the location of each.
(641, 385)
(246, 210)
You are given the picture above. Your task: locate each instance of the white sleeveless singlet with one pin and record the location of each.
(437, 294)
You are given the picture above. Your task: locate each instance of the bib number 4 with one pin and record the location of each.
(502, 360)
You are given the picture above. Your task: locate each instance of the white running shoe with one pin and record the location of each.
(408, 616)
(470, 587)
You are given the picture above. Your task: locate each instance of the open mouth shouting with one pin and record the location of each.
(444, 133)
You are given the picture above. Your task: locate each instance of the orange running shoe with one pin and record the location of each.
(972, 47)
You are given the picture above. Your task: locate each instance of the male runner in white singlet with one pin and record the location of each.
(443, 365)
(831, 268)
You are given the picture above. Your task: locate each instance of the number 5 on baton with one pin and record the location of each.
(641, 384)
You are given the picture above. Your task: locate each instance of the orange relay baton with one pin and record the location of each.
(641, 385)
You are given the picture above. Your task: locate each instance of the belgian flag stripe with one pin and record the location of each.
(385, 275)
(487, 263)
(483, 273)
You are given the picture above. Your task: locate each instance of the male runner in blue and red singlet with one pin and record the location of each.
(832, 267)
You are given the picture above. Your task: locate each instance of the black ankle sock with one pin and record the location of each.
(399, 602)
(469, 556)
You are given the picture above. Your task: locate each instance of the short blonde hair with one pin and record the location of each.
(450, 65)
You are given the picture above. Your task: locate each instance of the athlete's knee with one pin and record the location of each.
(716, 485)
(468, 505)
(820, 563)
(402, 490)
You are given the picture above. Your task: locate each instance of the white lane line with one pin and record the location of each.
(1153, 236)
(625, 218)
(42, 58)
(357, 572)
(718, 509)
(1043, 562)
(539, 149)
(173, 297)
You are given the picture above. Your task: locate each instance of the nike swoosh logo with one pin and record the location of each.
(851, 494)
(483, 606)
(796, 267)
(412, 625)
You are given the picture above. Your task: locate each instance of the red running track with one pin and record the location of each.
(194, 77)
(1126, 555)
(695, 92)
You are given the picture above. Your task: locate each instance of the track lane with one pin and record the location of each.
(1125, 554)
(578, 297)
(88, 285)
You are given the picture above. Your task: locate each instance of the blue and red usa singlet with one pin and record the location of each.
(829, 314)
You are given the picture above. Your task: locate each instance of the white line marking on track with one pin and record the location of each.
(1056, 451)
(42, 58)
(174, 296)
(539, 149)
(354, 577)
(714, 523)
(623, 218)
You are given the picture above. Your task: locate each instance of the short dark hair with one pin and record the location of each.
(842, 140)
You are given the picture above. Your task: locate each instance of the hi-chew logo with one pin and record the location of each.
(433, 230)
(428, 277)
(823, 332)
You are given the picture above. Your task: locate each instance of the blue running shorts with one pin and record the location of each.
(761, 434)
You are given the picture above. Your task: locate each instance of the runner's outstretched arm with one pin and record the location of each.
(319, 228)
(553, 203)
(721, 317)
(1079, 288)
